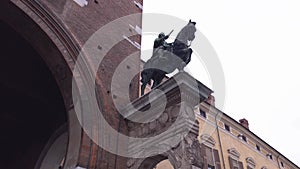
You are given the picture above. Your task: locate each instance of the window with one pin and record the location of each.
(227, 127)
(281, 163)
(257, 147)
(244, 138)
(234, 156)
(210, 156)
(250, 163)
(202, 113)
(235, 164)
(270, 156)
(241, 136)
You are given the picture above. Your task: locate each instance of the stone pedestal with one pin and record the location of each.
(164, 126)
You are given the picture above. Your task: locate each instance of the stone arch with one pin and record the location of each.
(54, 152)
(57, 30)
(151, 162)
(58, 52)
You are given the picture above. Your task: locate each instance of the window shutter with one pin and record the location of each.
(217, 159)
(209, 156)
(241, 165)
(230, 163)
(203, 154)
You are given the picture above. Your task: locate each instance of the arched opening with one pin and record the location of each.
(165, 164)
(156, 162)
(32, 107)
(151, 162)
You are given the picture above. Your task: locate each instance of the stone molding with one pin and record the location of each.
(234, 153)
(250, 162)
(182, 93)
(207, 140)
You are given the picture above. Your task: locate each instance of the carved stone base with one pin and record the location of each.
(164, 120)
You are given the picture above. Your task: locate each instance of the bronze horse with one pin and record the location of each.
(164, 61)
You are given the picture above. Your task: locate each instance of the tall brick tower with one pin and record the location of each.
(41, 128)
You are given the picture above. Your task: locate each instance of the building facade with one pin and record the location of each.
(40, 43)
(228, 144)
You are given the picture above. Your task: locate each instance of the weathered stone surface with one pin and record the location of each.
(176, 124)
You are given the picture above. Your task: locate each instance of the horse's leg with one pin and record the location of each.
(143, 88)
(185, 56)
(158, 79)
(145, 79)
(154, 83)
(189, 56)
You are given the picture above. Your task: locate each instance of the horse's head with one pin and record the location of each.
(191, 29)
(187, 33)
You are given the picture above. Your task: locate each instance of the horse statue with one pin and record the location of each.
(166, 60)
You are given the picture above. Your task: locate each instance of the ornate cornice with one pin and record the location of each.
(250, 162)
(208, 140)
(180, 88)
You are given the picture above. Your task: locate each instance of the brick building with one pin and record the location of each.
(40, 43)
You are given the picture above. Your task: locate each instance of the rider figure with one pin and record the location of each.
(161, 42)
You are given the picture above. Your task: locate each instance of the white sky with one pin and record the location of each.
(258, 44)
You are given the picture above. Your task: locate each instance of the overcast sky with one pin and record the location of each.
(258, 45)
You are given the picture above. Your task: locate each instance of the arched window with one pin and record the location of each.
(234, 162)
(210, 155)
(250, 163)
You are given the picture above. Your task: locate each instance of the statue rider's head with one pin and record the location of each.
(161, 35)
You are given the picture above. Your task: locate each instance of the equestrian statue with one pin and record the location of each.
(167, 57)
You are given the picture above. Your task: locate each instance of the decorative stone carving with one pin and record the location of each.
(208, 140)
(234, 153)
(176, 125)
(250, 162)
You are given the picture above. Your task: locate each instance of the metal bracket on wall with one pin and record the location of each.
(81, 3)
(134, 43)
(137, 29)
(79, 168)
(139, 5)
